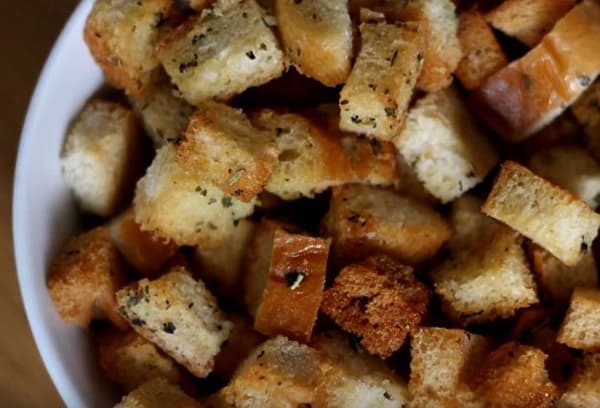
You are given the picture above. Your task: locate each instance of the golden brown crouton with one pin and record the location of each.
(470, 226)
(179, 315)
(581, 327)
(584, 388)
(158, 393)
(587, 112)
(294, 289)
(544, 213)
(84, 276)
(372, 161)
(379, 300)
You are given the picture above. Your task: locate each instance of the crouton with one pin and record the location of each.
(544, 213)
(83, 279)
(442, 362)
(179, 315)
(294, 289)
(482, 55)
(487, 282)
(579, 328)
(586, 111)
(158, 393)
(530, 92)
(181, 206)
(410, 183)
(563, 130)
(101, 157)
(142, 250)
(372, 161)
(221, 143)
(470, 226)
(317, 37)
(199, 5)
(443, 144)
(584, 388)
(363, 220)
(528, 20)
(311, 159)
(376, 95)
(222, 52)
(379, 300)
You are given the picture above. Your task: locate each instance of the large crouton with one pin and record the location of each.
(179, 315)
(101, 157)
(580, 328)
(470, 226)
(222, 52)
(158, 393)
(84, 277)
(583, 390)
(586, 111)
(379, 300)
(546, 214)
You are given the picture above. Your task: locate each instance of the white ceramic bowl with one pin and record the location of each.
(44, 214)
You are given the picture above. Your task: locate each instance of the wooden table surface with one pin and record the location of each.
(27, 33)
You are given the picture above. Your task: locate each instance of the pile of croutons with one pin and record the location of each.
(339, 203)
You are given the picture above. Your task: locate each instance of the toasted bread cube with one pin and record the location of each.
(179, 315)
(221, 53)
(410, 183)
(544, 213)
(158, 393)
(470, 226)
(221, 143)
(580, 327)
(183, 207)
(100, 158)
(528, 20)
(379, 300)
(294, 289)
(317, 37)
(444, 145)
(363, 220)
(84, 277)
(376, 95)
(482, 55)
(372, 161)
(530, 92)
(584, 388)
(586, 111)
(487, 282)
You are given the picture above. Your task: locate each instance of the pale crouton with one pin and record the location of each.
(179, 315)
(317, 37)
(529, 93)
(379, 300)
(101, 157)
(528, 20)
(158, 393)
(221, 143)
(83, 279)
(470, 226)
(587, 112)
(482, 55)
(294, 289)
(363, 220)
(181, 206)
(224, 51)
(544, 213)
(584, 388)
(489, 281)
(580, 328)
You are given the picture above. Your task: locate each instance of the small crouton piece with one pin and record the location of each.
(444, 145)
(487, 282)
(528, 20)
(379, 300)
(222, 52)
(179, 315)
(514, 375)
(586, 111)
(158, 393)
(530, 92)
(482, 55)
(544, 213)
(84, 277)
(583, 390)
(317, 37)
(376, 95)
(470, 226)
(221, 143)
(101, 157)
(580, 328)
(372, 161)
(364, 219)
(442, 362)
(294, 289)
(183, 207)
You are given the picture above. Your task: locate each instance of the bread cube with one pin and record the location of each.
(84, 277)
(294, 289)
(221, 143)
(372, 161)
(530, 92)
(410, 183)
(441, 141)
(363, 220)
(222, 52)
(584, 388)
(580, 327)
(158, 393)
(470, 227)
(101, 157)
(379, 300)
(544, 213)
(586, 111)
(179, 315)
